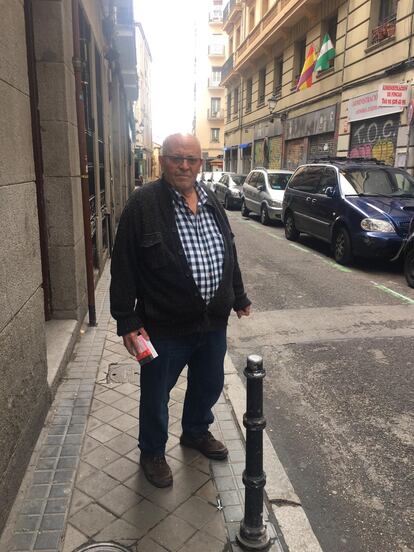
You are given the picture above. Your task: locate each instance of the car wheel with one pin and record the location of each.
(409, 268)
(244, 210)
(342, 246)
(264, 215)
(227, 203)
(291, 232)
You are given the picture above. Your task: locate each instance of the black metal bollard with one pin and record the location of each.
(253, 534)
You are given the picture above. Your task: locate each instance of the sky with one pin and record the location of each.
(169, 29)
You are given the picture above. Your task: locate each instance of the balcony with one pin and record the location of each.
(214, 83)
(273, 27)
(384, 31)
(230, 13)
(215, 16)
(216, 50)
(227, 68)
(215, 115)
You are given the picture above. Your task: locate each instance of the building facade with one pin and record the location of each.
(209, 93)
(143, 117)
(68, 80)
(357, 106)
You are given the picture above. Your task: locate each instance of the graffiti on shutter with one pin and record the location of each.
(322, 145)
(295, 154)
(275, 147)
(375, 138)
(259, 153)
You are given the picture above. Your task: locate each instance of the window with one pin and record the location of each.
(262, 86)
(236, 100)
(265, 6)
(252, 17)
(230, 45)
(383, 20)
(328, 180)
(329, 27)
(249, 91)
(215, 106)
(278, 76)
(299, 59)
(260, 181)
(228, 106)
(216, 75)
(238, 35)
(215, 135)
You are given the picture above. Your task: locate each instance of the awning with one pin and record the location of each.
(243, 146)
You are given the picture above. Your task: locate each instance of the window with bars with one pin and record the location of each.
(228, 118)
(278, 76)
(383, 20)
(236, 100)
(261, 86)
(249, 94)
(215, 135)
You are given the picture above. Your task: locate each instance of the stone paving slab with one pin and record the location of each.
(85, 483)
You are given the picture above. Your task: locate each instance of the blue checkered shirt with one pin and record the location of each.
(202, 242)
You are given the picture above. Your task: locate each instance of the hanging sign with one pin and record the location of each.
(392, 94)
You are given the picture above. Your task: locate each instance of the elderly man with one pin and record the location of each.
(175, 279)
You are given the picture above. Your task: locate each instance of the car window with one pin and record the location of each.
(252, 179)
(328, 180)
(278, 181)
(238, 179)
(296, 181)
(378, 181)
(309, 179)
(260, 180)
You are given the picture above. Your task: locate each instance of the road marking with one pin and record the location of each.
(273, 236)
(337, 266)
(299, 247)
(394, 293)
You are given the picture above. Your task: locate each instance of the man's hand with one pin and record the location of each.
(243, 312)
(130, 340)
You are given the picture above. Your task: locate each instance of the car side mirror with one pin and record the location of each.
(329, 192)
(260, 188)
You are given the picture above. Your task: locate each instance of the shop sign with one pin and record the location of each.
(366, 107)
(392, 94)
(267, 128)
(316, 122)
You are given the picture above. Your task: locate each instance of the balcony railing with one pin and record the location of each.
(384, 31)
(215, 16)
(216, 50)
(227, 67)
(214, 83)
(232, 7)
(215, 114)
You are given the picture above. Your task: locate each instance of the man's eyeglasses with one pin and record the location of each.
(179, 160)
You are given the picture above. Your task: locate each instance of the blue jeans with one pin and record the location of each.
(203, 353)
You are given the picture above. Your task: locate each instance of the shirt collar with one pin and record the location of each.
(179, 199)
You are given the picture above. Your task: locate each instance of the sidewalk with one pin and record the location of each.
(84, 484)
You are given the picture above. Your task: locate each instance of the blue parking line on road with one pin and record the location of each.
(394, 293)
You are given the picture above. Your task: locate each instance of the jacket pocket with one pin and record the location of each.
(153, 250)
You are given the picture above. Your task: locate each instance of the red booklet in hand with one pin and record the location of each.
(146, 351)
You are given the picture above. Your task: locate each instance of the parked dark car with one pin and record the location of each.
(362, 207)
(229, 190)
(409, 256)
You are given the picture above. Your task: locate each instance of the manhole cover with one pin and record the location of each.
(123, 373)
(103, 547)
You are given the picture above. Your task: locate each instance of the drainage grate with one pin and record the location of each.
(123, 373)
(103, 547)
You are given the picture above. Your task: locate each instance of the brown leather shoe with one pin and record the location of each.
(156, 470)
(206, 444)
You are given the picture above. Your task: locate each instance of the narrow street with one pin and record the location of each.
(338, 352)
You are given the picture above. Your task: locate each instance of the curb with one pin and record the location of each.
(286, 506)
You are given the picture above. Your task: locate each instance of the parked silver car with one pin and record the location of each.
(229, 190)
(263, 192)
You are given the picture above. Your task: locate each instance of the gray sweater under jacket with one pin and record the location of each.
(152, 285)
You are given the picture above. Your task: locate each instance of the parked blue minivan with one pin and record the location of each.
(360, 206)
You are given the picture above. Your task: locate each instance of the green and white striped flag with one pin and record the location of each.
(327, 52)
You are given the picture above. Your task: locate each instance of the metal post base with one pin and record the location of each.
(253, 538)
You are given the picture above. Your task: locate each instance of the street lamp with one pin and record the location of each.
(271, 103)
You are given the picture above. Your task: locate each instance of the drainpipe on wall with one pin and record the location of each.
(83, 159)
(38, 159)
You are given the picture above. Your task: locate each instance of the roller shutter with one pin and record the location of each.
(295, 154)
(375, 138)
(275, 149)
